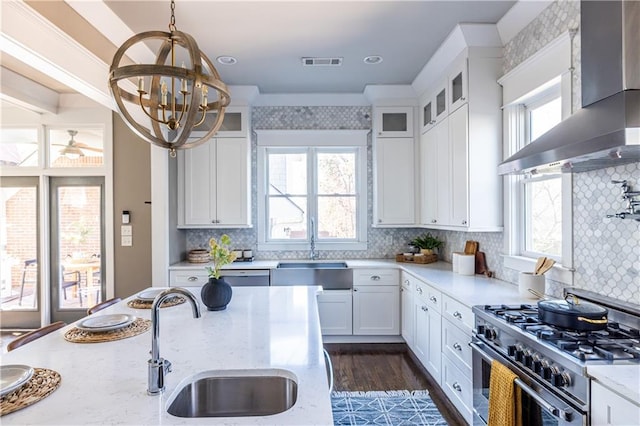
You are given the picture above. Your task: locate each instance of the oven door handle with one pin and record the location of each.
(565, 414)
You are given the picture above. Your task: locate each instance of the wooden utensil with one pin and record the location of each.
(481, 265)
(548, 263)
(539, 264)
(470, 247)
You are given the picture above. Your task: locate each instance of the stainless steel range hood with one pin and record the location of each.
(606, 131)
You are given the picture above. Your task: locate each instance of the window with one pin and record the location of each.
(19, 147)
(314, 186)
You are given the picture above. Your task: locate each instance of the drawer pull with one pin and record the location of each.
(457, 387)
(424, 308)
(457, 314)
(375, 277)
(433, 299)
(457, 346)
(192, 279)
(419, 290)
(406, 282)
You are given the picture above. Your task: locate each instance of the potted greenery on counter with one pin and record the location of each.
(427, 243)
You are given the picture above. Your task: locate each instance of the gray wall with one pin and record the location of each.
(131, 191)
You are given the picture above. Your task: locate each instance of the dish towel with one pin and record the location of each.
(504, 397)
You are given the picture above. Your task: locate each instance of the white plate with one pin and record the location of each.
(149, 295)
(13, 376)
(106, 322)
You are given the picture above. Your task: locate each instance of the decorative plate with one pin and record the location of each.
(105, 322)
(13, 376)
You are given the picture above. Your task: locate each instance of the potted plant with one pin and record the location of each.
(427, 243)
(216, 293)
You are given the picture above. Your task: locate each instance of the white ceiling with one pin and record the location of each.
(269, 38)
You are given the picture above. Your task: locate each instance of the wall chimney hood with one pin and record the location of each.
(606, 131)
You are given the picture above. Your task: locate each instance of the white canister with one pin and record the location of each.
(528, 280)
(466, 264)
(455, 261)
(247, 253)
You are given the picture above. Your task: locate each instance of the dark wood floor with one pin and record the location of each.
(383, 367)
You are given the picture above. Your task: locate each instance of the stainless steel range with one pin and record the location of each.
(550, 361)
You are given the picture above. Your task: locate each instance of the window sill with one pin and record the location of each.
(557, 273)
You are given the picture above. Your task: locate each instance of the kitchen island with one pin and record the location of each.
(106, 383)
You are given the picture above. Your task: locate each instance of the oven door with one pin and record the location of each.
(539, 406)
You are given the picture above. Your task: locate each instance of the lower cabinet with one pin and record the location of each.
(407, 310)
(376, 310)
(427, 337)
(609, 408)
(336, 312)
(458, 387)
(188, 277)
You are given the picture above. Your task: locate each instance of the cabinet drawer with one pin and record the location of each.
(376, 277)
(188, 277)
(429, 295)
(458, 387)
(456, 346)
(457, 313)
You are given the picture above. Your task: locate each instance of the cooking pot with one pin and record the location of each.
(573, 314)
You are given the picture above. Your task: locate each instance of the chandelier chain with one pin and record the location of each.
(172, 23)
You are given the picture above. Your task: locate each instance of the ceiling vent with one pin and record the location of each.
(321, 62)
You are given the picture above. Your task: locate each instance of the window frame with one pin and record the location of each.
(313, 142)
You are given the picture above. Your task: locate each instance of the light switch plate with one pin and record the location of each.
(127, 241)
(126, 230)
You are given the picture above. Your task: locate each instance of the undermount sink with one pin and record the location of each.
(236, 393)
(329, 275)
(312, 265)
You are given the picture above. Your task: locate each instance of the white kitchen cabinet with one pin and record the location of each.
(406, 307)
(608, 408)
(394, 190)
(458, 314)
(435, 107)
(235, 123)
(455, 346)
(427, 344)
(393, 122)
(459, 389)
(458, 154)
(336, 312)
(376, 309)
(188, 277)
(214, 185)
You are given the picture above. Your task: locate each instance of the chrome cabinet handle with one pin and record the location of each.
(457, 346)
(464, 222)
(433, 221)
(419, 290)
(406, 282)
(375, 278)
(424, 308)
(433, 299)
(457, 314)
(457, 386)
(192, 279)
(355, 289)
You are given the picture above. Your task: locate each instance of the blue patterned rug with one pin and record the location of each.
(385, 408)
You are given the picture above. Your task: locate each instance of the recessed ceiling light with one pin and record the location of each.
(227, 60)
(373, 59)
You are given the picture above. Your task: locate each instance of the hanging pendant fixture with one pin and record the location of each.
(179, 98)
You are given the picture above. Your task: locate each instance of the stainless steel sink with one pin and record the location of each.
(312, 265)
(329, 275)
(240, 393)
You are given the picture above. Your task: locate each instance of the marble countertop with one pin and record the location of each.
(106, 383)
(621, 379)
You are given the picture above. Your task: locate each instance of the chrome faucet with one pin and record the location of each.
(157, 366)
(313, 255)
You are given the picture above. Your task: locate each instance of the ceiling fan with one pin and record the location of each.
(74, 149)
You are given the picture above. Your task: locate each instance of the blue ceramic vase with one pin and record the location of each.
(216, 294)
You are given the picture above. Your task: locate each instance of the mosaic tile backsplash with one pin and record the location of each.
(606, 251)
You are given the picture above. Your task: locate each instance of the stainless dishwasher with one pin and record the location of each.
(246, 277)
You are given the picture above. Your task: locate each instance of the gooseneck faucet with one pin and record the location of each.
(157, 366)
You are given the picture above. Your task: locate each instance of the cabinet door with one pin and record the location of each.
(427, 115)
(394, 174)
(429, 177)
(427, 337)
(376, 310)
(336, 312)
(199, 184)
(408, 322)
(458, 93)
(188, 277)
(458, 138)
(441, 105)
(391, 122)
(609, 408)
(443, 170)
(232, 181)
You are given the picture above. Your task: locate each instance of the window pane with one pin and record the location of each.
(19, 147)
(287, 173)
(544, 210)
(287, 218)
(76, 148)
(544, 117)
(337, 217)
(336, 173)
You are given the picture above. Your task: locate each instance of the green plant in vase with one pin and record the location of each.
(220, 254)
(216, 293)
(427, 243)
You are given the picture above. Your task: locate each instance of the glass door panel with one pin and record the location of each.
(19, 272)
(77, 244)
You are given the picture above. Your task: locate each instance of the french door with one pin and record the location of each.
(20, 305)
(76, 245)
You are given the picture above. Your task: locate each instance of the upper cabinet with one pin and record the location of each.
(460, 187)
(235, 123)
(435, 107)
(393, 122)
(394, 157)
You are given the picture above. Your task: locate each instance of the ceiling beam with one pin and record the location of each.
(26, 93)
